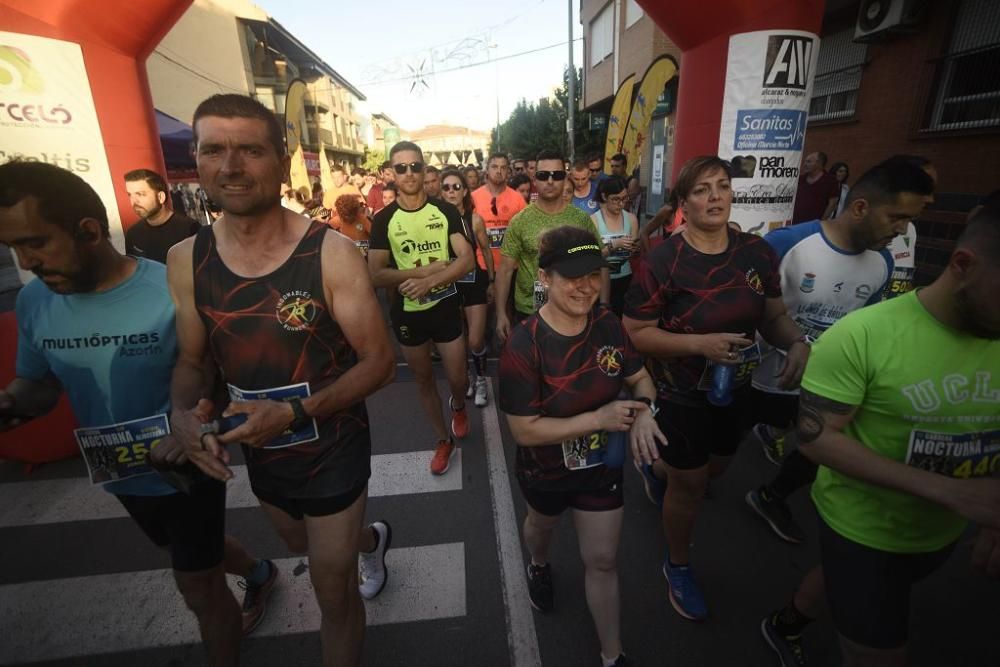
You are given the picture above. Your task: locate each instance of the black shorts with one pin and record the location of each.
(697, 432)
(441, 324)
(191, 526)
(300, 507)
(609, 496)
(474, 294)
(869, 590)
(777, 410)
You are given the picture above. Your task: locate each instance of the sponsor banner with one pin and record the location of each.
(656, 77)
(618, 120)
(769, 79)
(47, 114)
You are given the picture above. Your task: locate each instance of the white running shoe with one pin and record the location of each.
(373, 570)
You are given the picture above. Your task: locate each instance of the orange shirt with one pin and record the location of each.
(330, 196)
(496, 213)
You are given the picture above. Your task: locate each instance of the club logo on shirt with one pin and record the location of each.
(610, 360)
(863, 292)
(808, 283)
(296, 310)
(837, 287)
(754, 281)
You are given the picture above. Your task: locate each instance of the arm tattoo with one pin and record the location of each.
(811, 408)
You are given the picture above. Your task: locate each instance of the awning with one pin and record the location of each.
(175, 139)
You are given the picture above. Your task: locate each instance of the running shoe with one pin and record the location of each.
(683, 591)
(772, 444)
(540, 586)
(255, 599)
(655, 487)
(470, 387)
(481, 383)
(442, 456)
(622, 661)
(459, 420)
(775, 511)
(372, 568)
(788, 648)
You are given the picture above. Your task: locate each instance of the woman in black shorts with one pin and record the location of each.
(698, 302)
(476, 288)
(561, 373)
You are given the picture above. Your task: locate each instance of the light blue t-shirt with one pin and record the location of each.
(113, 352)
(820, 283)
(587, 204)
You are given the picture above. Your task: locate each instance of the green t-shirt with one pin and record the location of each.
(520, 243)
(929, 397)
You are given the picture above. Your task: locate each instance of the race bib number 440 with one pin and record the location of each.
(120, 451)
(960, 455)
(307, 433)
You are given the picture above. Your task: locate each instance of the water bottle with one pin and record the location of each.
(721, 393)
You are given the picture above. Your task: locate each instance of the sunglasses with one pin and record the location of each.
(595, 171)
(415, 167)
(449, 187)
(558, 175)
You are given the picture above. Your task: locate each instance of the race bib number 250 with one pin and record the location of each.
(120, 451)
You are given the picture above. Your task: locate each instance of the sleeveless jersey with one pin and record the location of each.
(273, 336)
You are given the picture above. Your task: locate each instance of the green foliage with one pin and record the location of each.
(534, 126)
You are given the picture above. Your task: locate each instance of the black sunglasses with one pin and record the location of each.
(415, 167)
(449, 187)
(558, 175)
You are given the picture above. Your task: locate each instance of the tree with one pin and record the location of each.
(534, 126)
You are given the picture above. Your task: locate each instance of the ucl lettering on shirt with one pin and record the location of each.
(956, 388)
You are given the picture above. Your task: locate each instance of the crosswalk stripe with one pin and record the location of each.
(33, 503)
(50, 620)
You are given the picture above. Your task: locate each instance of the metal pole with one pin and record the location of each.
(571, 101)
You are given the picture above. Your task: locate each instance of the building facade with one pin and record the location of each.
(233, 46)
(450, 144)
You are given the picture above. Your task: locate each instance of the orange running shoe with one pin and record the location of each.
(442, 456)
(459, 420)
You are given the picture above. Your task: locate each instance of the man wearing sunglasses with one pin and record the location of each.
(496, 203)
(520, 245)
(419, 249)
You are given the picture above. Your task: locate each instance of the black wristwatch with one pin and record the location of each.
(300, 419)
(649, 404)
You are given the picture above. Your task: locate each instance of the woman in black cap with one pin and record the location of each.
(561, 374)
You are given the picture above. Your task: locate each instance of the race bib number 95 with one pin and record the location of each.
(961, 455)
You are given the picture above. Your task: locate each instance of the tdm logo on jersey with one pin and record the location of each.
(409, 245)
(789, 58)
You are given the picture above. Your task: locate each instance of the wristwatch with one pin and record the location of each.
(805, 338)
(649, 404)
(300, 419)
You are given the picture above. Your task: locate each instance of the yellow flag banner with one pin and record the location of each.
(325, 175)
(662, 70)
(618, 119)
(298, 174)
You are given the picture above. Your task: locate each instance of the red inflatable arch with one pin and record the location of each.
(704, 41)
(116, 37)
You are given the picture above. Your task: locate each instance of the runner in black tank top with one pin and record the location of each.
(276, 331)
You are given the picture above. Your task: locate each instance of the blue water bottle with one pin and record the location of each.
(721, 393)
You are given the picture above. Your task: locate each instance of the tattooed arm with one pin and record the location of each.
(820, 434)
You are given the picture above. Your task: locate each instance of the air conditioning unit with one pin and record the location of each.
(878, 19)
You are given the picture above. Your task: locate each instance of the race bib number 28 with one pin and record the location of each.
(961, 455)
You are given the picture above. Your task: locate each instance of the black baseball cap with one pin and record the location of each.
(573, 260)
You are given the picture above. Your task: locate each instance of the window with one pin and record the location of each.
(969, 75)
(838, 76)
(633, 12)
(602, 35)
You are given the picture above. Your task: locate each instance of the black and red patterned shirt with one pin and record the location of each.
(545, 373)
(690, 292)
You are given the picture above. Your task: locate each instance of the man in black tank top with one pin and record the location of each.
(285, 314)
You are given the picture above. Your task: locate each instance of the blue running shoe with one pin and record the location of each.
(684, 594)
(655, 487)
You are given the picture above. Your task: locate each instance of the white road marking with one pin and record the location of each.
(34, 503)
(521, 638)
(50, 620)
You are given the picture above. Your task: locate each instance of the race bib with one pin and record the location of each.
(901, 282)
(961, 455)
(307, 433)
(496, 235)
(120, 451)
(587, 451)
(362, 246)
(436, 294)
(541, 295)
(469, 277)
(747, 360)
